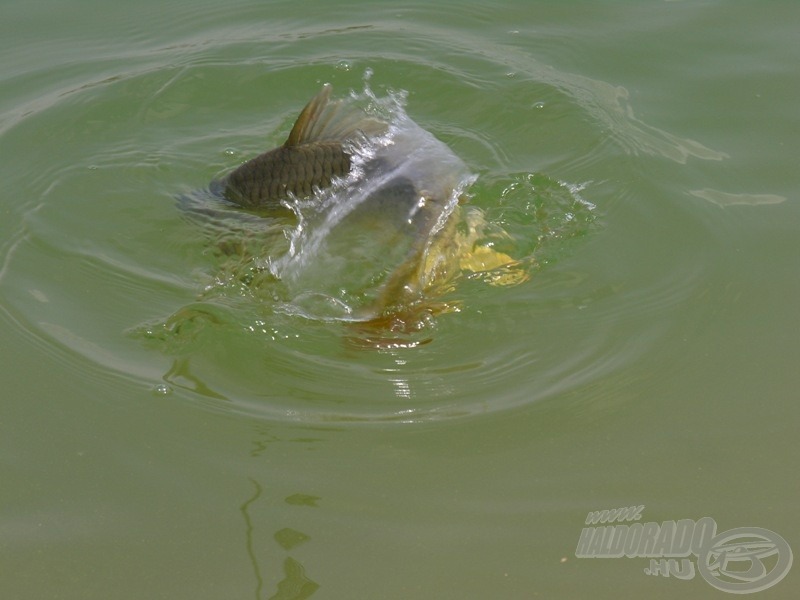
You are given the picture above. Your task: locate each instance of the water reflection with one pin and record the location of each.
(295, 584)
(724, 199)
(180, 375)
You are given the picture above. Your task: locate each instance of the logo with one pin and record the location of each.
(740, 561)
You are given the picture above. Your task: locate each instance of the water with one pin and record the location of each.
(171, 428)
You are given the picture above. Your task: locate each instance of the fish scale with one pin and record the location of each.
(312, 156)
(269, 178)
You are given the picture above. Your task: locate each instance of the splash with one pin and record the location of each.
(363, 246)
(382, 249)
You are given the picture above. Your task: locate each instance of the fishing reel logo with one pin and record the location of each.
(743, 560)
(735, 562)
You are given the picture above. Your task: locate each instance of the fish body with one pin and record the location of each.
(316, 152)
(377, 240)
(265, 180)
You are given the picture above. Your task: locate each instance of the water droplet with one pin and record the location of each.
(162, 389)
(344, 65)
(93, 167)
(511, 74)
(230, 152)
(538, 105)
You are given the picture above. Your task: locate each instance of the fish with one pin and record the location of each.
(377, 199)
(317, 151)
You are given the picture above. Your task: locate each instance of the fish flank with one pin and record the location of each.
(313, 155)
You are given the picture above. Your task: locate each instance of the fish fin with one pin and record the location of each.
(326, 120)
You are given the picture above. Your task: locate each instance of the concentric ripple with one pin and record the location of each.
(103, 266)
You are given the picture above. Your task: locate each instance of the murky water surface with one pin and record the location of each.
(203, 402)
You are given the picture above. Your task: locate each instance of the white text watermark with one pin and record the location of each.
(740, 561)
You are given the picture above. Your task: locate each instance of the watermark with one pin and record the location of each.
(740, 561)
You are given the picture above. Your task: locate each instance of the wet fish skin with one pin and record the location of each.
(288, 170)
(314, 154)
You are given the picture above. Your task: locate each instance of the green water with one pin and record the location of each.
(643, 159)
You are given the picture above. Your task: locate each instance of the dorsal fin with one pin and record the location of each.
(326, 120)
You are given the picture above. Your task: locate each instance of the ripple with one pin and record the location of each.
(100, 253)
